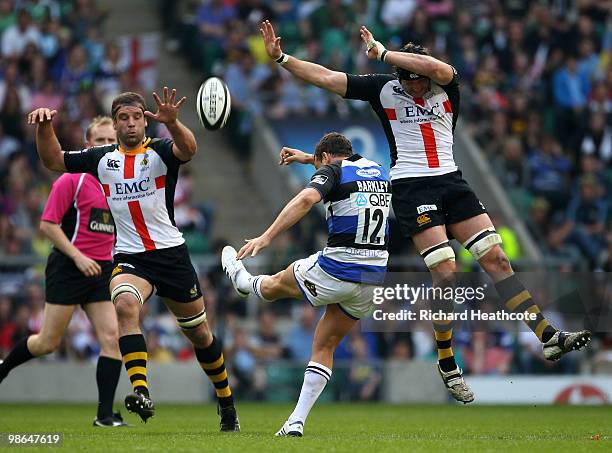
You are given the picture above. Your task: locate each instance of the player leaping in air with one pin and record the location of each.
(138, 177)
(418, 108)
(357, 197)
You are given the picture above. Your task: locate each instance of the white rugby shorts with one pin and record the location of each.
(320, 288)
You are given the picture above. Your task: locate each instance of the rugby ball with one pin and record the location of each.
(213, 103)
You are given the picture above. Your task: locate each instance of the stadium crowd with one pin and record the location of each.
(536, 95)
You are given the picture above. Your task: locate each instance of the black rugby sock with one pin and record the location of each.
(107, 377)
(18, 355)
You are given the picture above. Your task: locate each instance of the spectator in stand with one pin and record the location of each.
(600, 100)
(571, 90)
(550, 171)
(244, 78)
(266, 341)
(77, 74)
(587, 213)
(212, 17)
(299, 339)
(488, 354)
(113, 65)
(8, 17)
(240, 353)
(16, 37)
(597, 139)
(512, 168)
(364, 375)
(8, 145)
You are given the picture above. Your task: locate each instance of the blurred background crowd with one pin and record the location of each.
(536, 80)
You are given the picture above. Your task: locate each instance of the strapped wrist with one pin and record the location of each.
(282, 59)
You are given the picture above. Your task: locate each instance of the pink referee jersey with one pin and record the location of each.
(77, 203)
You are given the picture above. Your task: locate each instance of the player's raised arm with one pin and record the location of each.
(185, 145)
(297, 208)
(47, 145)
(425, 65)
(313, 73)
(291, 155)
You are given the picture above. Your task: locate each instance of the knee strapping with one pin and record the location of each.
(483, 241)
(438, 254)
(126, 288)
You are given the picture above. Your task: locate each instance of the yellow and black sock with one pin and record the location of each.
(446, 359)
(134, 351)
(212, 362)
(518, 299)
(443, 328)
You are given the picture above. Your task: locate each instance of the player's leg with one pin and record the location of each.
(418, 205)
(191, 318)
(439, 257)
(180, 288)
(268, 287)
(104, 320)
(477, 234)
(128, 293)
(331, 329)
(55, 320)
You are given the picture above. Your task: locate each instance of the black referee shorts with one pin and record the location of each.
(423, 202)
(169, 270)
(65, 284)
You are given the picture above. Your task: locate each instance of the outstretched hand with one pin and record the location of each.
(41, 115)
(373, 47)
(271, 41)
(167, 111)
(253, 247)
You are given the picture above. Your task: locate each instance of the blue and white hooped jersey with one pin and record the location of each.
(357, 196)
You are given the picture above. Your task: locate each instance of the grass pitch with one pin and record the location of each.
(330, 428)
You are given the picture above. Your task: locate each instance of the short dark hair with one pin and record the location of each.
(404, 74)
(334, 144)
(127, 98)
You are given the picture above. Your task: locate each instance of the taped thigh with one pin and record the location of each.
(193, 321)
(122, 288)
(438, 254)
(483, 241)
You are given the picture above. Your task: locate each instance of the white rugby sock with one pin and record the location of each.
(243, 281)
(315, 379)
(256, 286)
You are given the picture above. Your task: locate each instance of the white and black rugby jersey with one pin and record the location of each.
(139, 187)
(357, 196)
(419, 130)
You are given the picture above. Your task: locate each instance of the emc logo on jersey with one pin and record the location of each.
(124, 188)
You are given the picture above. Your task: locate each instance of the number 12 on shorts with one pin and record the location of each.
(372, 219)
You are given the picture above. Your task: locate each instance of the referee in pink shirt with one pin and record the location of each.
(78, 222)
